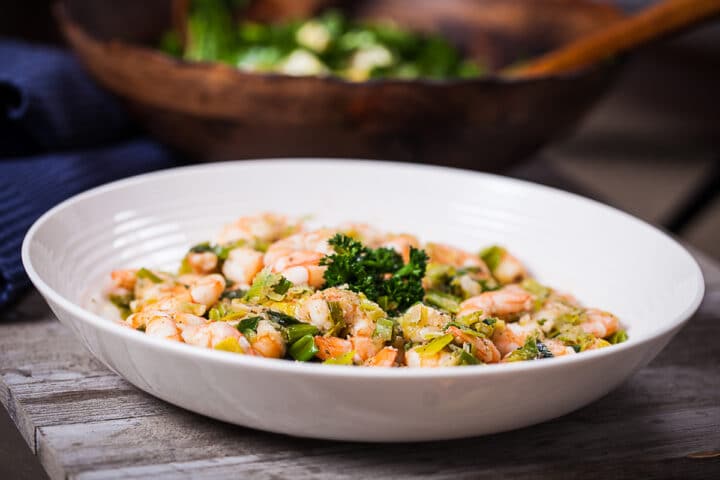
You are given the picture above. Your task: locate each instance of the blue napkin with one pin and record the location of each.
(60, 134)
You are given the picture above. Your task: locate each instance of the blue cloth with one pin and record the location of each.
(60, 134)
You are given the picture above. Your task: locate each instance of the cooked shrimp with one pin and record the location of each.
(558, 348)
(401, 244)
(512, 337)
(509, 269)
(315, 309)
(387, 357)
(447, 255)
(208, 289)
(202, 263)
(297, 257)
(266, 227)
(242, 265)
(162, 326)
(421, 322)
(484, 349)
(599, 323)
(212, 333)
(268, 341)
(363, 232)
(124, 278)
(509, 300)
(332, 347)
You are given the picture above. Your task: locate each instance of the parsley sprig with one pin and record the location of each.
(378, 273)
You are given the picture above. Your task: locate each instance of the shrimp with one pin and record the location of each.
(599, 323)
(332, 347)
(401, 244)
(210, 334)
(124, 279)
(509, 300)
(162, 326)
(242, 265)
(297, 257)
(208, 289)
(268, 341)
(558, 348)
(366, 349)
(387, 357)
(512, 337)
(413, 358)
(509, 269)
(484, 349)
(447, 255)
(362, 232)
(202, 263)
(265, 227)
(421, 322)
(316, 310)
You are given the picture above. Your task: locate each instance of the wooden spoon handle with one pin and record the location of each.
(664, 18)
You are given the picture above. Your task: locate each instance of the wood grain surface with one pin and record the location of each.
(84, 422)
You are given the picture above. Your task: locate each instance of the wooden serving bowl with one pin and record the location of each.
(215, 112)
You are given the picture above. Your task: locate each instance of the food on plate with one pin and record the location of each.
(270, 286)
(327, 45)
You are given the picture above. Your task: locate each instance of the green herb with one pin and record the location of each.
(434, 346)
(378, 273)
(295, 332)
(145, 273)
(249, 325)
(384, 329)
(618, 337)
(445, 301)
(492, 256)
(344, 359)
(303, 349)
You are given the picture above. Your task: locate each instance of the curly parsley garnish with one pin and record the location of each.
(378, 273)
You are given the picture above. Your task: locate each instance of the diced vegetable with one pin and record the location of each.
(445, 301)
(492, 256)
(299, 330)
(303, 349)
(344, 359)
(229, 344)
(384, 329)
(147, 274)
(434, 346)
(618, 337)
(248, 326)
(268, 286)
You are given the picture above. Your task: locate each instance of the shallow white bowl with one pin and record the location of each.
(607, 258)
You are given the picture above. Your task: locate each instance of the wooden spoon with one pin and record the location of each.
(665, 18)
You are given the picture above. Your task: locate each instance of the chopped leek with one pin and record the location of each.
(344, 359)
(299, 330)
(303, 349)
(384, 329)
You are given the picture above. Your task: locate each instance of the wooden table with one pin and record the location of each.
(83, 421)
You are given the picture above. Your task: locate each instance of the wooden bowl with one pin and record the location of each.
(215, 112)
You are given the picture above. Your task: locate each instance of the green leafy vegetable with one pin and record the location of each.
(445, 301)
(492, 256)
(618, 337)
(282, 319)
(384, 329)
(147, 274)
(344, 359)
(531, 350)
(303, 349)
(434, 346)
(378, 273)
(299, 330)
(248, 326)
(268, 286)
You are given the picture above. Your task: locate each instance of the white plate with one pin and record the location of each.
(607, 258)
